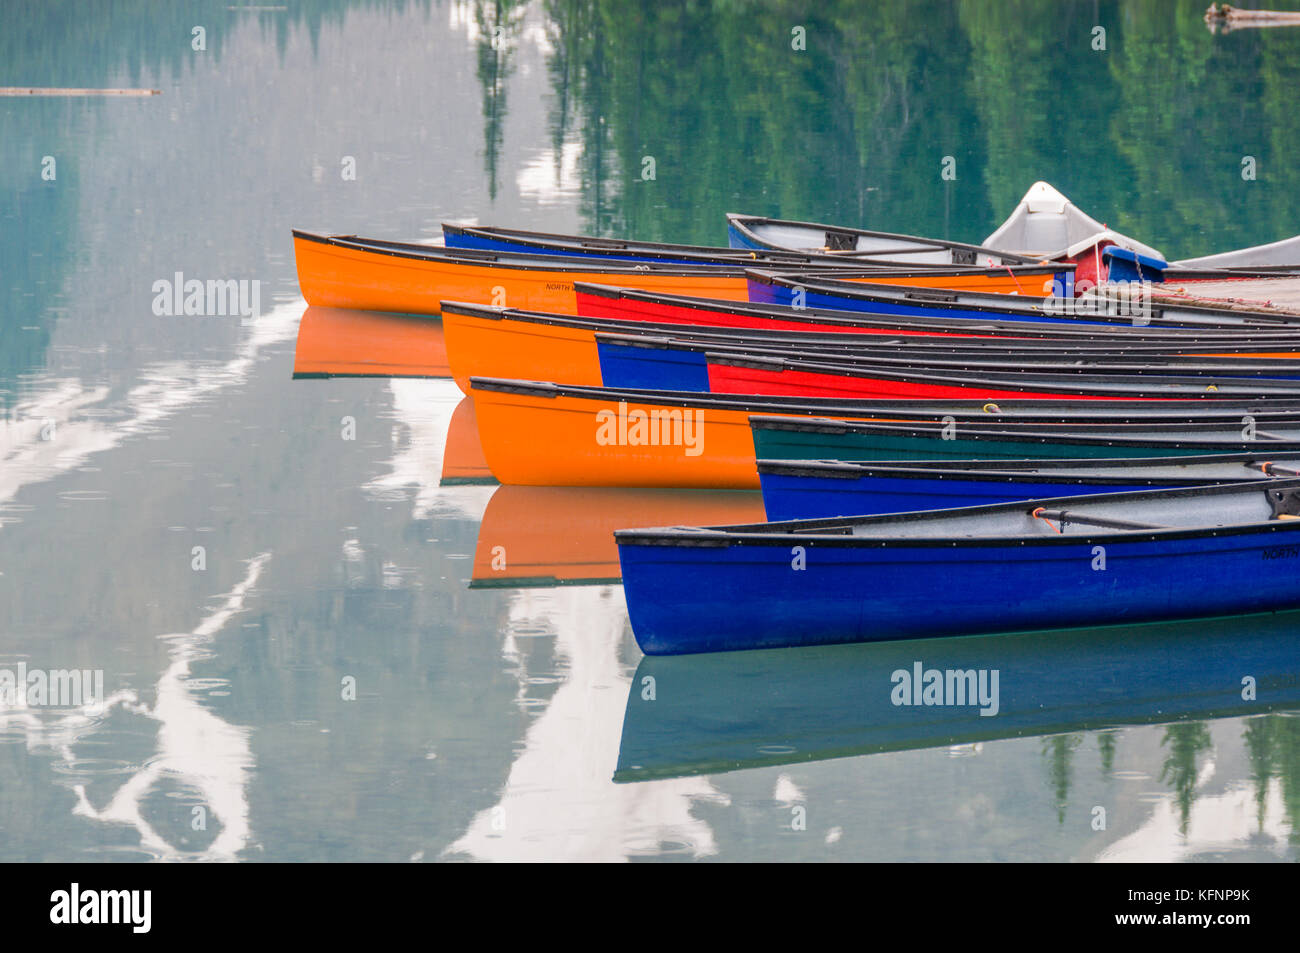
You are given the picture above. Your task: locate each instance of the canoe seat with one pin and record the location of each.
(1285, 503)
(840, 241)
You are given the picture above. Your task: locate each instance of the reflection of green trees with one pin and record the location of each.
(1287, 736)
(1106, 748)
(1059, 752)
(499, 23)
(1187, 99)
(1260, 748)
(1273, 743)
(1147, 134)
(1280, 79)
(1044, 98)
(1186, 741)
(853, 128)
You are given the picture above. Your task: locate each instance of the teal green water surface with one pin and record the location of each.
(271, 577)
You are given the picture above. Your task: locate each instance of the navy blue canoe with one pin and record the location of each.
(893, 250)
(1040, 304)
(810, 489)
(1058, 563)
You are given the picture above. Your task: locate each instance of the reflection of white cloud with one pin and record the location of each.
(460, 16)
(560, 802)
(46, 436)
(1215, 824)
(551, 180)
(424, 409)
(27, 457)
(786, 791)
(195, 749)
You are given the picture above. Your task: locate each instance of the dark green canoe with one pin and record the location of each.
(786, 438)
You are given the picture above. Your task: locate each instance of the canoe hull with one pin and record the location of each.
(533, 440)
(787, 443)
(763, 292)
(342, 276)
(789, 496)
(345, 273)
(498, 346)
(686, 599)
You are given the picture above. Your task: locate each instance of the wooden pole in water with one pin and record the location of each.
(66, 91)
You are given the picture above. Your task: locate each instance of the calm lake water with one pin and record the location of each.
(283, 581)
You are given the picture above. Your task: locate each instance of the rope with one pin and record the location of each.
(1037, 513)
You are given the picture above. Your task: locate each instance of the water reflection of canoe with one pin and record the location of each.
(340, 342)
(462, 460)
(557, 536)
(714, 713)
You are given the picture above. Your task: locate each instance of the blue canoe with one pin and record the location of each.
(1059, 563)
(933, 252)
(520, 242)
(827, 292)
(811, 489)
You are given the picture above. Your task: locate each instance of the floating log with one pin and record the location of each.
(1223, 17)
(71, 91)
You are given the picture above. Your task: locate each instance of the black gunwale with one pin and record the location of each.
(804, 531)
(1017, 471)
(814, 407)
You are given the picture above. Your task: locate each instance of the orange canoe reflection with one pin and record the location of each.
(339, 342)
(463, 460)
(564, 536)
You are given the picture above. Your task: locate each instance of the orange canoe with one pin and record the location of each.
(483, 343)
(350, 272)
(538, 434)
(342, 273)
(338, 342)
(564, 536)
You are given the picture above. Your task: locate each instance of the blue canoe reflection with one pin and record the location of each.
(709, 714)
